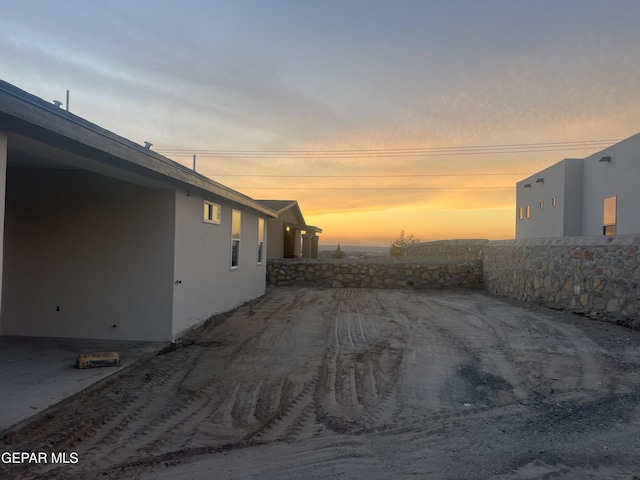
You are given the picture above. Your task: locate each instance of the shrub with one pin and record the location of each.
(400, 244)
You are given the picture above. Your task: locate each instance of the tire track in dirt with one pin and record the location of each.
(457, 337)
(190, 400)
(289, 418)
(360, 370)
(319, 383)
(131, 425)
(485, 346)
(566, 360)
(557, 339)
(274, 391)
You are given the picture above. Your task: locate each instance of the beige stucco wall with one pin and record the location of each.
(83, 253)
(275, 234)
(204, 282)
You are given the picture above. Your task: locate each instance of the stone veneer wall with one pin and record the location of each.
(374, 274)
(594, 275)
(598, 276)
(460, 250)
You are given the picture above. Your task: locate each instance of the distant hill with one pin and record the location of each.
(353, 248)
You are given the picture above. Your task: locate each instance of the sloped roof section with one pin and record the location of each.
(26, 115)
(281, 206)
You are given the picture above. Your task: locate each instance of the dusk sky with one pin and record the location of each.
(363, 111)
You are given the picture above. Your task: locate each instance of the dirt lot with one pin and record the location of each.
(375, 384)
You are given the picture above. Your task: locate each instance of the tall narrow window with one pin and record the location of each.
(528, 211)
(260, 240)
(236, 218)
(520, 213)
(554, 202)
(609, 219)
(541, 205)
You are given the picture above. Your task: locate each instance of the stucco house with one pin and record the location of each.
(597, 195)
(104, 238)
(284, 233)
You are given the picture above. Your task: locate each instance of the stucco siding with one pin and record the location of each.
(275, 228)
(621, 177)
(570, 199)
(582, 186)
(561, 181)
(86, 256)
(205, 284)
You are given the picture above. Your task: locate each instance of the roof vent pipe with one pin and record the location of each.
(57, 103)
(148, 145)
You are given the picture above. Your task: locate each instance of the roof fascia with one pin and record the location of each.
(35, 111)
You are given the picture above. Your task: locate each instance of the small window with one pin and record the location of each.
(528, 211)
(609, 217)
(236, 220)
(260, 240)
(211, 213)
(520, 213)
(541, 206)
(554, 202)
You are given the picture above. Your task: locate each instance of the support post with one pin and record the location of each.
(310, 245)
(3, 194)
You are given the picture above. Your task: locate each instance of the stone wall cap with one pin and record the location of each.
(590, 241)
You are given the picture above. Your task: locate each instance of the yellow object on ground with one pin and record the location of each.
(98, 359)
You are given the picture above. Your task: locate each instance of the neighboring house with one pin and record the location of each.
(284, 233)
(104, 238)
(597, 195)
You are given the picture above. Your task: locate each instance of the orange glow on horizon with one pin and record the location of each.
(360, 200)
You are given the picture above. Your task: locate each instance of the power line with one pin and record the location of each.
(398, 152)
(374, 188)
(409, 175)
(321, 155)
(510, 145)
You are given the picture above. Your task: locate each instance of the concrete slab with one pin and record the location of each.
(37, 372)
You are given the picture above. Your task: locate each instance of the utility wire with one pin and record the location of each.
(510, 145)
(257, 175)
(398, 152)
(374, 188)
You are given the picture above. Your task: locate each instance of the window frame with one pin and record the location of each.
(610, 215)
(261, 235)
(528, 211)
(212, 214)
(236, 216)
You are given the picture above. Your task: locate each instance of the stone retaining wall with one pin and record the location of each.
(374, 274)
(594, 275)
(598, 276)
